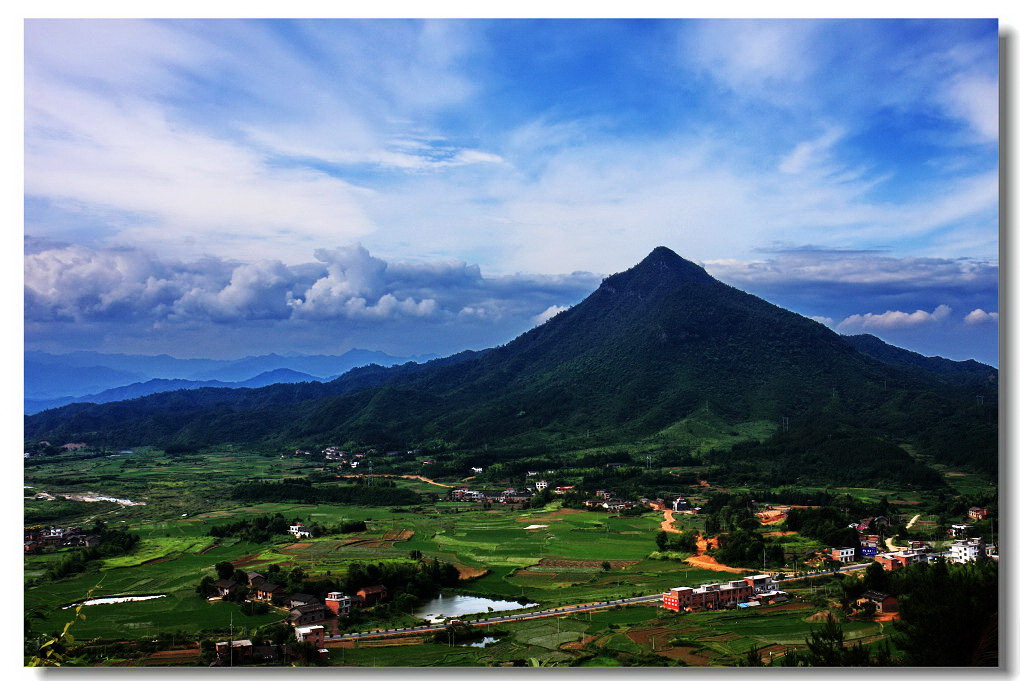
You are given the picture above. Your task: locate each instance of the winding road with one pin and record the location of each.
(498, 619)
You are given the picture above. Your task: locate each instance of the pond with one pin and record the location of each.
(443, 607)
(486, 641)
(113, 599)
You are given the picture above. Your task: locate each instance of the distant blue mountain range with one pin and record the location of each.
(56, 380)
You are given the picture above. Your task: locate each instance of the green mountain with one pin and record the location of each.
(644, 352)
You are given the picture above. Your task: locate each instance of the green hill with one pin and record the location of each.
(646, 350)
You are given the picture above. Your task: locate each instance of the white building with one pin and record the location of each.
(966, 550)
(843, 554)
(541, 485)
(300, 531)
(315, 633)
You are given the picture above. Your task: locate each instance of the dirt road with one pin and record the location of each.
(704, 562)
(667, 524)
(406, 477)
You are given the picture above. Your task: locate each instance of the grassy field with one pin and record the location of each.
(619, 635)
(558, 561)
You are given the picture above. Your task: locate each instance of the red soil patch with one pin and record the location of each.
(577, 645)
(153, 561)
(570, 563)
(642, 636)
(467, 572)
(667, 524)
(771, 517)
(370, 544)
(297, 546)
(777, 534)
(398, 535)
(708, 562)
(209, 548)
(704, 483)
(244, 560)
(379, 643)
(165, 658)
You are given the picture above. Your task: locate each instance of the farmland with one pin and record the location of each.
(551, 555)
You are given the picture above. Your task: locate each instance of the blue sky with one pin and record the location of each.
(229, 187)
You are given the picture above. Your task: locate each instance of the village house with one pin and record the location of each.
(306, 614)
(721, 595)
(976, 513)
(225, 587)
(541, 485)
(315, 633)
(338, 603)
(256, 579)
(843, 554)
(959, 530)
(883, 601)
(896, 559)
(267, 590)
(237, 651)
(300, 531)
(371, 595)
(969, 550)
(563, 490)
(476, 469)
(296, 600)
(679, 504)
(464, 494)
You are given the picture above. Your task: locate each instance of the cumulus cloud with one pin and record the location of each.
(895, 319)
(822, 320)
(979, 316)
(78, 283)
(549, 313)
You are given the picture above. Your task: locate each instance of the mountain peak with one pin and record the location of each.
(664, 258)
(662, 269)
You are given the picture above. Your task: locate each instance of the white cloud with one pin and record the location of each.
(979, 316)
(549, 313)
(894, 319)
(822, 320)
(814, 266)
(755, 56)
(810, 153)
(76, 283)
(975, 99)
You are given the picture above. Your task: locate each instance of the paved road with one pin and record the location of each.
(552, 612)
(497, 619)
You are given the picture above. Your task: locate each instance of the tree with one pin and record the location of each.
(826, 648)
(661, 540)
(224, 569)
(205, 588)
(606, 566)
(876, 578)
